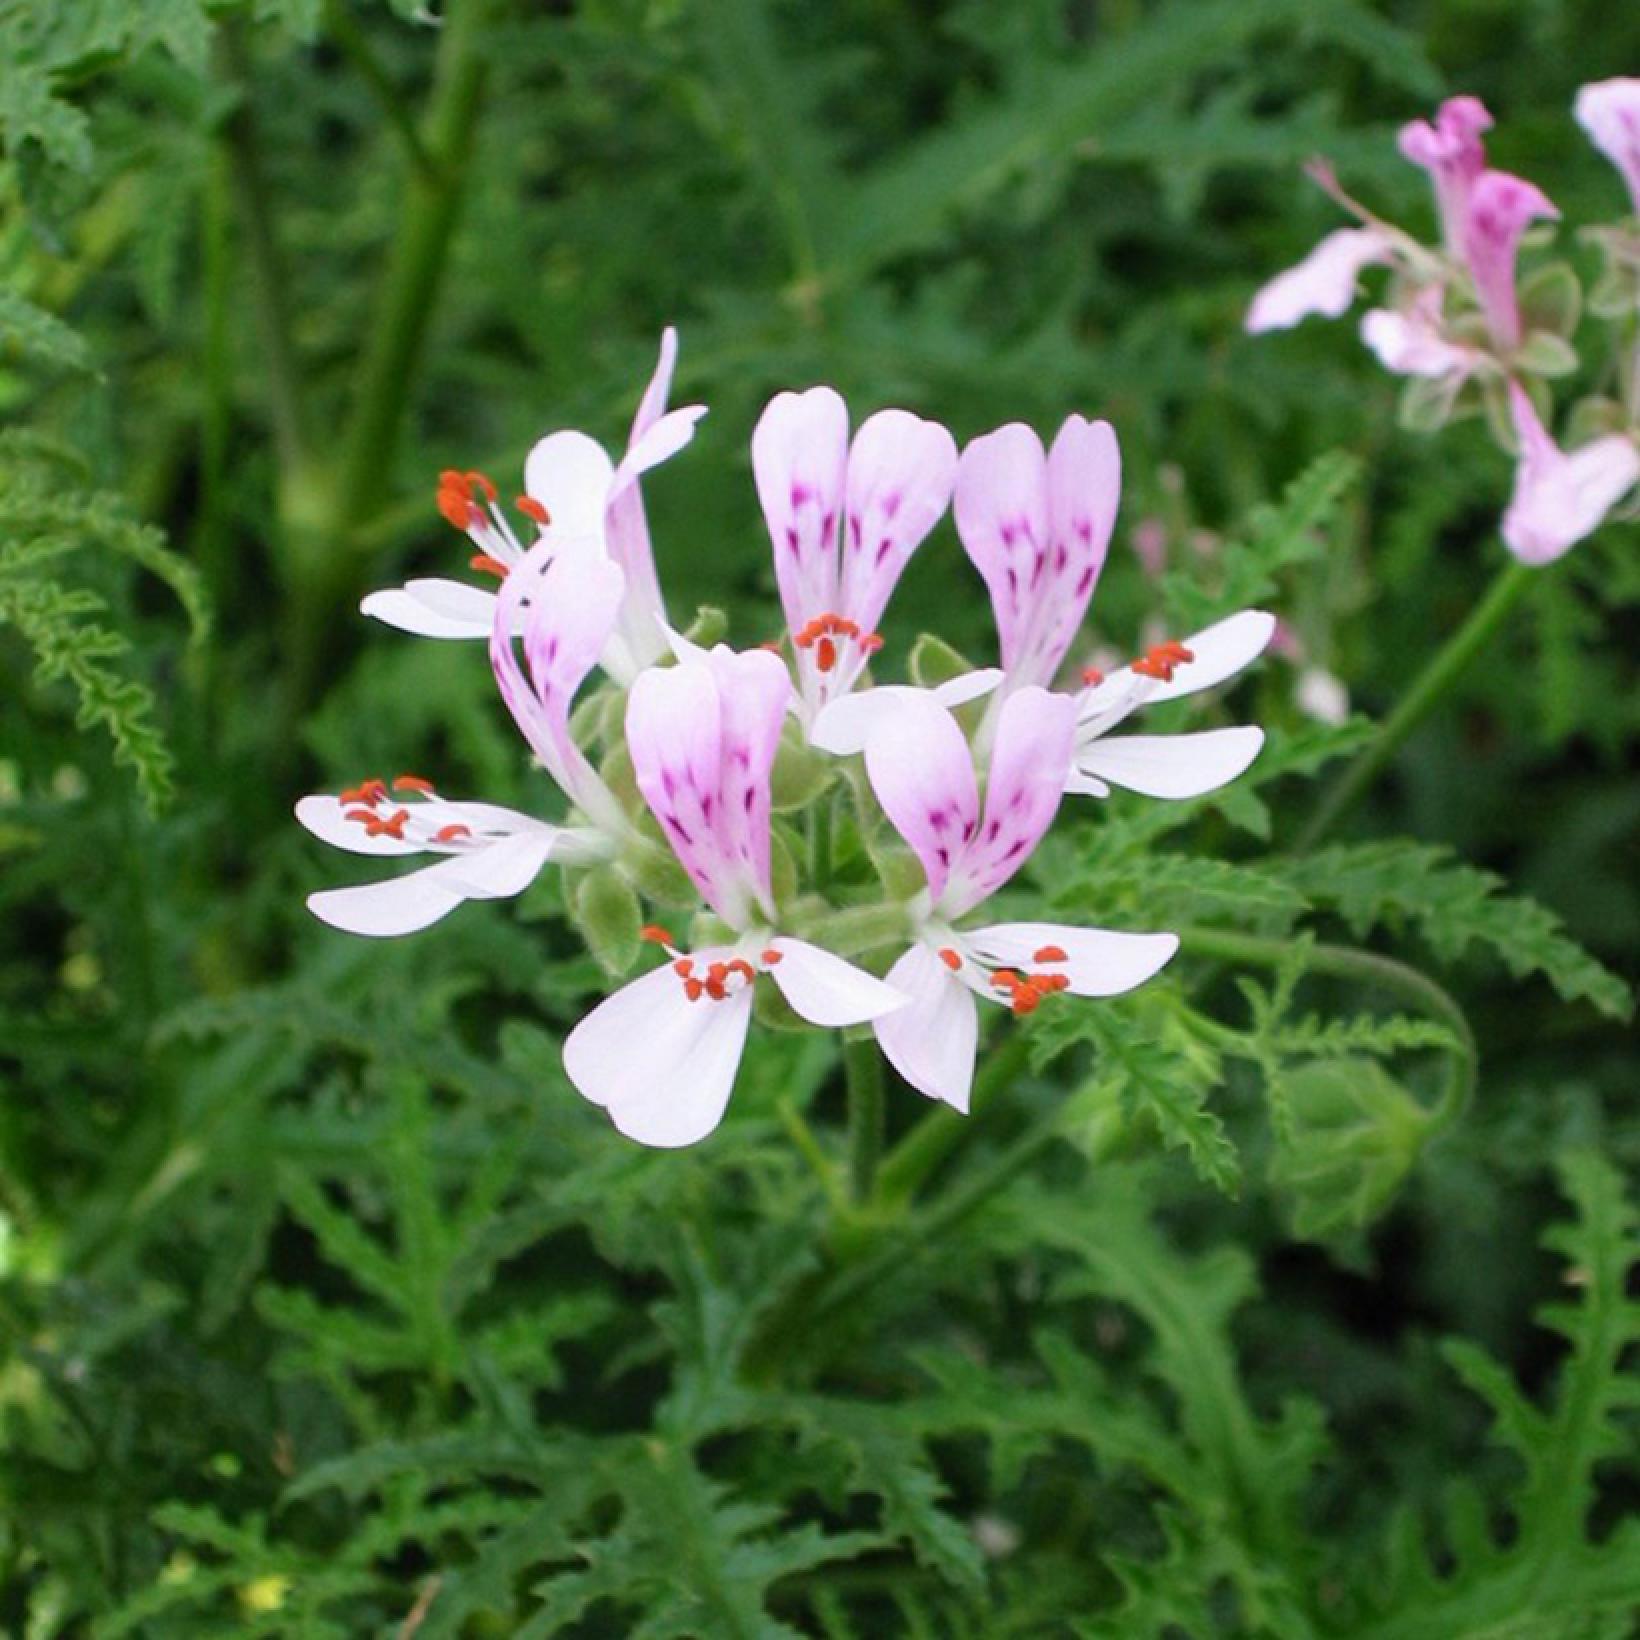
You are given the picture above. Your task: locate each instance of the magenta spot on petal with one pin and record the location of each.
(800, 494)
(891, 503)
(791, 538)
(1084, 581)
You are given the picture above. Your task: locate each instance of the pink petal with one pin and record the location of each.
(1084, 489)
(931, 1041)
(1031, 755)
(799, 459)
(402, 905)
(1324, 282)
(900, 473)
(1411, 344)
(1609, 111)
(921, 769)
(1501, 208)
(1176, 766)
(663, 1066)
(754, 689)
(1001, 505)
(434, 608)
(1559, 498)
(1098, 962)
(844, 726)
(828, 991)
(652, 406)
(1452, 152)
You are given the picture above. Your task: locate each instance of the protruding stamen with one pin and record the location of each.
(821, 634)
(413, 783)
(1160, 660)
(1092, 677)
(448, 834)
(1005, 979)
(684, 967)
(1050, 953)
(825, 654)
(656, 935)
(490, 566)
(716, 974)
(951, 958)
(392, 826)
(370, 792)
(481, 482)
(531, 508)
(769, 958)
(693, 989)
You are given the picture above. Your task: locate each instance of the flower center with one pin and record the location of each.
(1160, 660)
(469, 502)
(1022, 992)
(714, 981)
(824, 633)
(367, 805)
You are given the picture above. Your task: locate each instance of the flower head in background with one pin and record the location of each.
(573, 493)
(922, 771)
(1609, 111)
(1450, 149)
(567, 606)
(661, 1053)
(1501, 208)
(844, 519)
(1560, 498)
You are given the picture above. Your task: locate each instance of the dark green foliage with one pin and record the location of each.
(327, 1308)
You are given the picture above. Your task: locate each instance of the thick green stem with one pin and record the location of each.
(1450, 662)
(415, 265)
(1344, 962)
(863, 1067)
(343, 28)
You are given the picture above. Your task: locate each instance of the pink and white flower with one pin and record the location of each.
(1411, 340)
(1560, 498)
(1324, 283)
(1609, 111)
(922, 771)
(661, 1053)
(1500, 209)
(1451, 151)
(844, 519)
(573, 493)
(566, 604)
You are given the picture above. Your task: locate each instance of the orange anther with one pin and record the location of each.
(684, 967)
(412, 783)
(693, 989)
(1025, 1001)
(1050, 953)
(490, 566)
(825, 654)
(451, 479)
(448, 834)
(871, 643)
(363, 815)
(655, 934)
(1147, 667)
(531, 508)
(482, 483)
(1171, 649)
(370, 791)
(950, 958)
(1092, 677)
(1005, 979)
(769, 958)
(715, 976)
(457, 509)
(392, 826)
(739, 965)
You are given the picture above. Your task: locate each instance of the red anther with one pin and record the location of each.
(457, 509)
(490, 566)
(451, 479)
(844, 627)
(768, 958)
(1050, 953)
(1092, 677)
(1005, 979)
(825, 654)
(715, 976)
(655, 934)
(412, 783)
(1053, 982)
(804, 638)
(392, 826)
(739, 965)
(693, 989)
(1025, 1000)
(531, 508)
(1171, 649)
(370, 791)
(481, 482)
(1147, 667)
(871, 643)
(448, 834)
(950, 958)
(362, 815)
(684, 967)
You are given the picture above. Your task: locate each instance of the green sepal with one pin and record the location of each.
(655, 871)
(1543, 353)
(801, 773)
(708, 627)
(1594, 417)
(934, 661)
(1551, 299)
(1426, 404)
(606, 911)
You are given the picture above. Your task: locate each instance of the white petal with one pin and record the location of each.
(327, 819)
(845, 724)
(434, 608)
(1098, 962)
(662, 1065)
(402, 905)
(1171, 765)
(570, 475)
(931, 1041)
(1324, 282)
(826, 990)
(967, 686)
(1220, 651)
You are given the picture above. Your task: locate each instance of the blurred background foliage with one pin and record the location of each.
(326, 1307)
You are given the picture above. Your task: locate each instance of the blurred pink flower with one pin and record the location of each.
(1560, 498)
(1324, 282)
(1451, 151)
(1609, 110)
(1410, 340)
(1501, 208)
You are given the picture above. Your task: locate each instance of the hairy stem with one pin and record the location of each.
(1368, 967)
(863, 1068)
(1449, 663)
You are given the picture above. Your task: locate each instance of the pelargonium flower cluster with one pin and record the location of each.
(672, 783)
(1469, 333)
